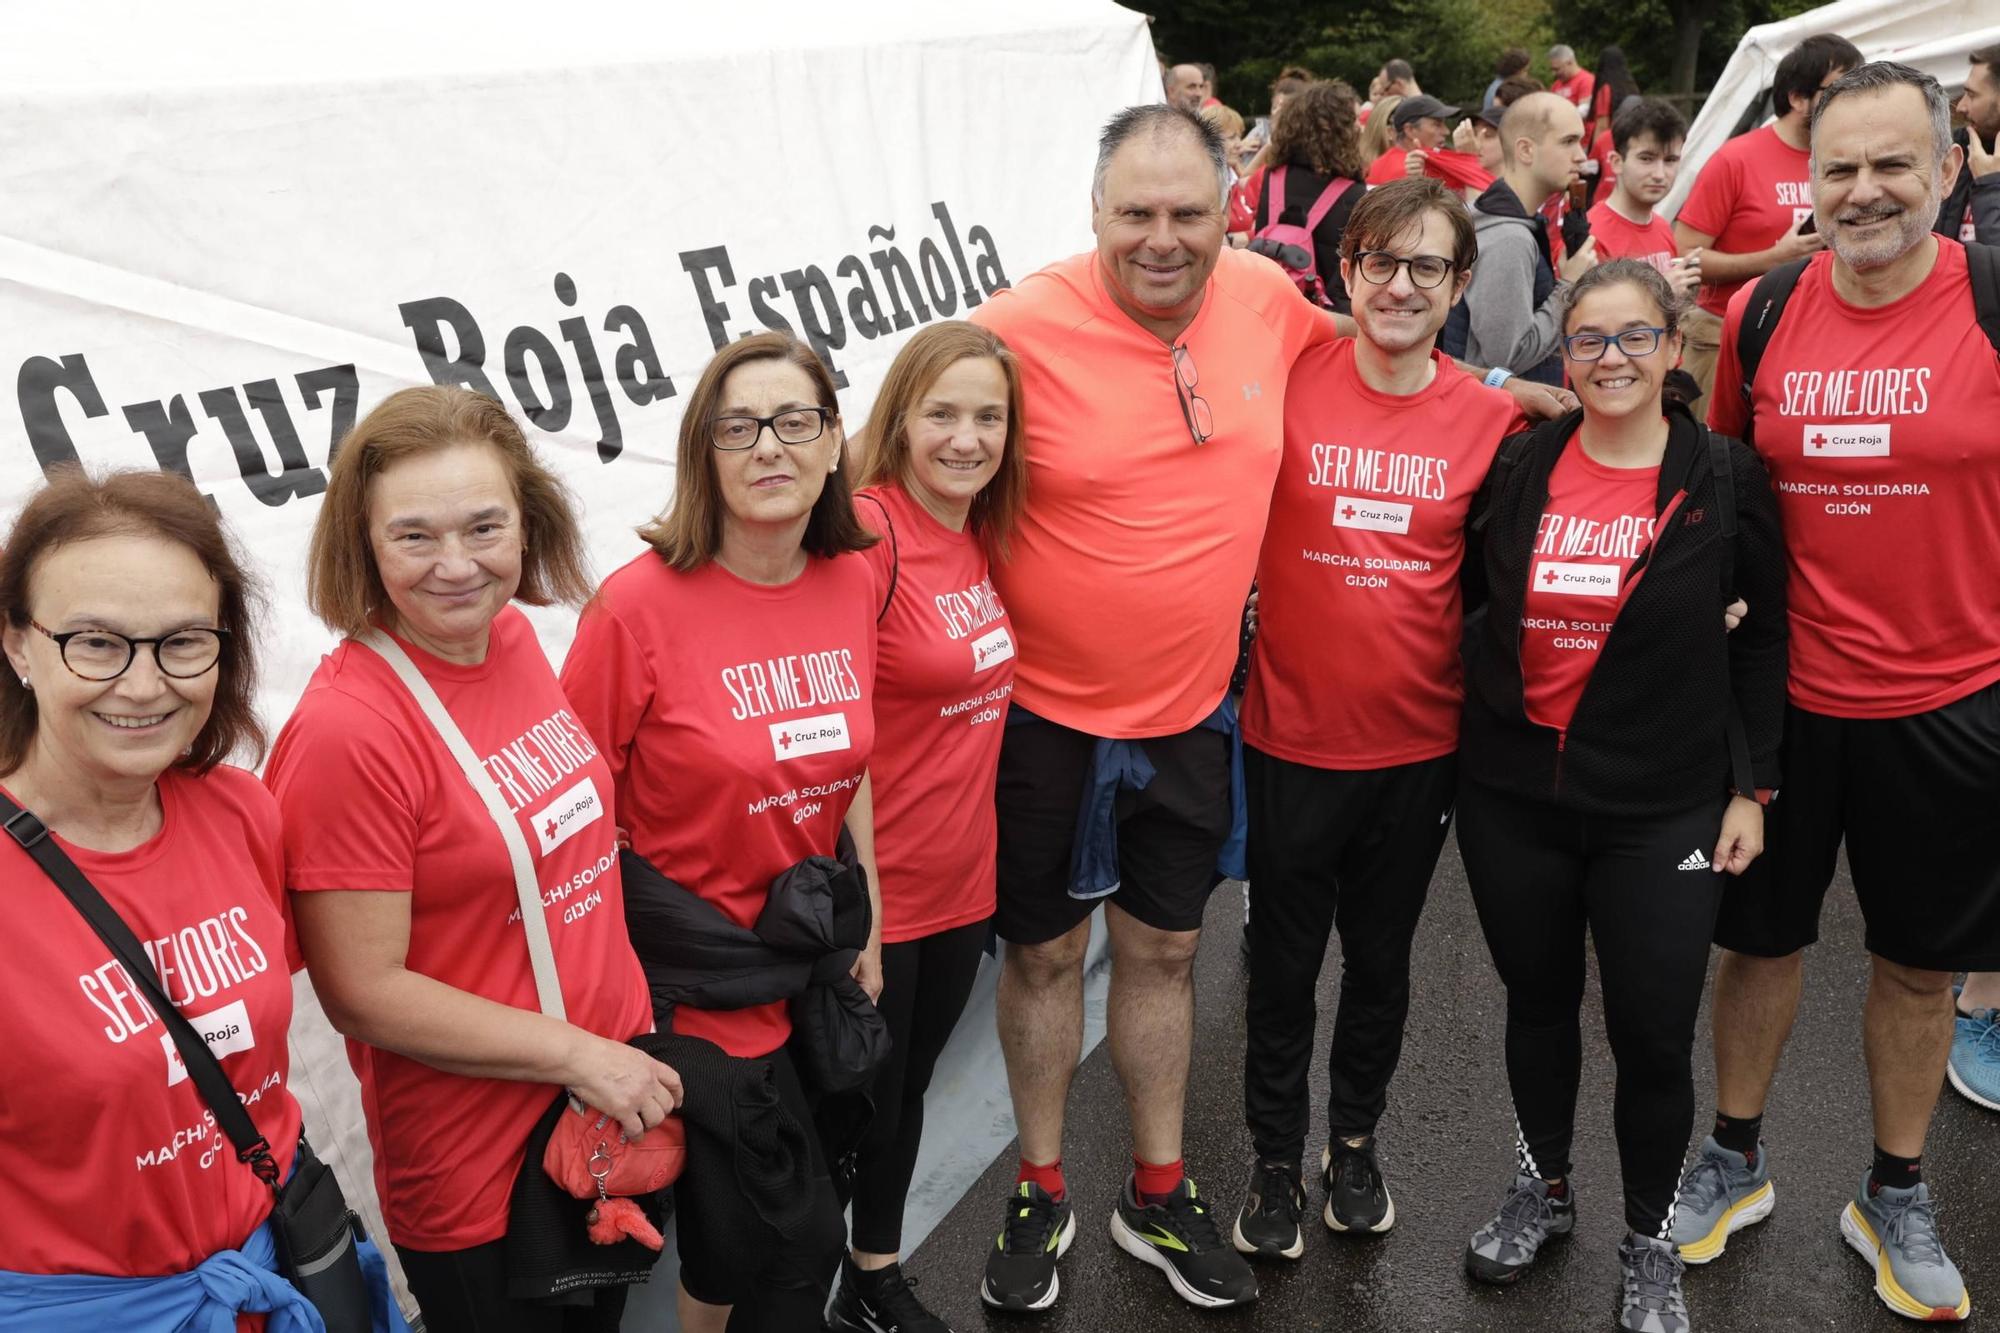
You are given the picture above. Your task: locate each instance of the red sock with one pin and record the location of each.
(1154, 1183)
(1049, 1178)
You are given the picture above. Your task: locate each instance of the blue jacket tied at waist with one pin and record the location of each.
(1122, 765)
(205, 1299)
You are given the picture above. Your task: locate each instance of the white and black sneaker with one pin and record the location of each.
(1267, 1226)
(1357, 1198)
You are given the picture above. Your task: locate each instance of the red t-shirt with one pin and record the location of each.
(1751, 192)
(1618, 237)
(1877, 426)
(1393, 165)
(1576, 89)
(737, 720)
(374, 801)
(944, 669)
(1597, 522)
(1356, 660)
(1127, 571)
(114, 1163)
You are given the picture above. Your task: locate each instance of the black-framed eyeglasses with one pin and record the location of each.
(794, 425)
(1379, 267)
(100, 654)
(1641, 341)
(1194, 408)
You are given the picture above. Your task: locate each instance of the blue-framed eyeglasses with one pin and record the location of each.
(1632, 342)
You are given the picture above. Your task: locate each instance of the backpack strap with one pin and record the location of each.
(1723, 469)
(1983, 262)
(895, 554)
(1724, 472)
(1274, 195)
(1327, 199)
(1760, 320)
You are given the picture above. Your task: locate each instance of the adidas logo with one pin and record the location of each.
(1695, 861)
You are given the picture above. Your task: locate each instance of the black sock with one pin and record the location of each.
(1738, 1133)
(870, 1279)
(1895, 1172)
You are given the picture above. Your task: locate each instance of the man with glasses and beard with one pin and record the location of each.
(1872, 405)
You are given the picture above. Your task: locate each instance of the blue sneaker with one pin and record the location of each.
(1895, 1230)
(1975, 1057)
(1721, 1193)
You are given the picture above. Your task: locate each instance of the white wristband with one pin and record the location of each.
(1498, 376)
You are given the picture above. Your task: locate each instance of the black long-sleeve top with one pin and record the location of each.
(1649, 734)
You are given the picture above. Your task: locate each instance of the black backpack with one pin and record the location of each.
(1774, 289)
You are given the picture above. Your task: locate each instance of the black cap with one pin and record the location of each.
(1415, 108)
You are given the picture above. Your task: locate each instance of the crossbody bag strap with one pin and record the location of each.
(541, 955)
(252, 1148)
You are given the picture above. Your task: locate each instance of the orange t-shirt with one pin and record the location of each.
(1130, 564)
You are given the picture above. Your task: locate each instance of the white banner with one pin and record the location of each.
(228, 229)
(224, 234)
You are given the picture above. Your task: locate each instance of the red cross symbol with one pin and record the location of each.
(1819, 440)
(1347, 512)
(1549, 577)
(785, 739)
(550, 831)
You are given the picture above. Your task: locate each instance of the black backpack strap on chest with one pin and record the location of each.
(1742, 775)
(1760, 321)
(1983, 262)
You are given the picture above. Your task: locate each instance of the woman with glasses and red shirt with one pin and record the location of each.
(1615, 743)
(132, 670)
(728, 675)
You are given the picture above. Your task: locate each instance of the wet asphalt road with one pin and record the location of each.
(1446, 1149)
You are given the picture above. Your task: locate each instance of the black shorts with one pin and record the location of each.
(1169, 835)
(1918, 800)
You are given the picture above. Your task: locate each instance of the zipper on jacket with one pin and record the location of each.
(1562, 743)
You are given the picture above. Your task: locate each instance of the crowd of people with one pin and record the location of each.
(1661, 627)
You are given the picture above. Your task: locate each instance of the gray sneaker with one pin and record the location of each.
(1501, 1251)
(1652, 1302)
(1721, 1193)
(1895, 1230)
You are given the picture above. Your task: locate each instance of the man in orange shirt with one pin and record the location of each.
(1154, 372)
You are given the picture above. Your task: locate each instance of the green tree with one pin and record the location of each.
(1675, 46)
(1451, 43)
(1672, 45)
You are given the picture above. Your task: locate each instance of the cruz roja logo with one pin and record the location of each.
(809, 735)
(990, 650)
(1568, 579)
(567, 815)
(1351, 511)
(1847, 441)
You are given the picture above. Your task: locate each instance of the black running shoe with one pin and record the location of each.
(882, 1301)
(1268, 1225)
(1021, 1269)
(1179, 1238)
(1357, 1200)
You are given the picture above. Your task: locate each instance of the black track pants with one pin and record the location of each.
(925, 983)
(1540, 875)
(1333, 849)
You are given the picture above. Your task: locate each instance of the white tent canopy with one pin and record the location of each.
(1933, 35)
(228, 228)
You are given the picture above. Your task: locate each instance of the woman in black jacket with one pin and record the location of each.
(1616, 746)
